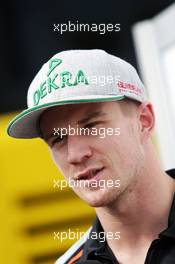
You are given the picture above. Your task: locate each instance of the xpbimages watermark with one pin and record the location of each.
(100, 28)
(72, 235)
(101, 132)
(101, 184)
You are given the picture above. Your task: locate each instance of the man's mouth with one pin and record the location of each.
(89, 174)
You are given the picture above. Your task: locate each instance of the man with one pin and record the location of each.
(135, 208)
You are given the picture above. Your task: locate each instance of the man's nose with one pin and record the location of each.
(78, 149)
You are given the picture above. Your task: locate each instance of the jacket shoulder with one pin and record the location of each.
(75, 251)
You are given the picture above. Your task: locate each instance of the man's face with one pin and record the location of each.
(91, 160)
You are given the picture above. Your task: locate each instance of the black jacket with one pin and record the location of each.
(94, 251)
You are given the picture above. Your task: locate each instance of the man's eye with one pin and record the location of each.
(58, 140)
(92, 124)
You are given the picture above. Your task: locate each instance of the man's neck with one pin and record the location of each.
(139, 214)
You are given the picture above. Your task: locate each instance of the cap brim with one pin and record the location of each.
(26, 125)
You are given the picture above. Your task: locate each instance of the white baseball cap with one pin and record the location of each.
(73, 77)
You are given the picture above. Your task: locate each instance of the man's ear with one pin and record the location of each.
(147, 120)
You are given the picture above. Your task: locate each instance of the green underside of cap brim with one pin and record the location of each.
(19, 120)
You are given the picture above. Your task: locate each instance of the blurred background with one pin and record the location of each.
(32, 207)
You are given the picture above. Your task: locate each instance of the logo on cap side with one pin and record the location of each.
(129, 87)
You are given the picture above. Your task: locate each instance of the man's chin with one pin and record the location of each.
(95, 200)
